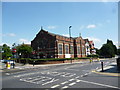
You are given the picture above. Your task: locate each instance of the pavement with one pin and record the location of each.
(110, 70)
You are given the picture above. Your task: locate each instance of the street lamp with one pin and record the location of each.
(70, 39)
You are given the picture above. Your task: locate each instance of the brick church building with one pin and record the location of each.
(49, 45)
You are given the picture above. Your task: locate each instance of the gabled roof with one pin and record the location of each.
(74, 38)
(91, 42)
(54, 34)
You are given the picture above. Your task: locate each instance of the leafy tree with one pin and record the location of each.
(111, 43)
(6, 51)
(108, 49)
(25, 50)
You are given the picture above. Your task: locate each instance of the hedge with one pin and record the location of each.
(53, 59)
(93, 56)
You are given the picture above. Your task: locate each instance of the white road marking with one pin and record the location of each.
(26, 74)
(100, 84)
(36, 79)
(86, 74)
(65, 87)
(32, 78)
(39, 82)
(62, 74)
(81, 75)
(68, 75)
(64, 82)
(53, 80)
(72, 69)
(78, 81)
(7, 73)
(72, 84)
(77, 76)
(71, 79)
(55, 86)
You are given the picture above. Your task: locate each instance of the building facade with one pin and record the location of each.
(88, 48)
(49, 45)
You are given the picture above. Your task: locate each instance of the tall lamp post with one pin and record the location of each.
(70, 40)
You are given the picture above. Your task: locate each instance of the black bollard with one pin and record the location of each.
(13, 64)
(102, 66)
(33, 63)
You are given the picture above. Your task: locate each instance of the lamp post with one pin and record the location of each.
(81, 45)
(70, 40)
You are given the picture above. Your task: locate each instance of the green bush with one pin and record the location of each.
(93, 56)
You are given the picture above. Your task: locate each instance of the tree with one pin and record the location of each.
(111, 43)
(6, 51)
(25, 50)
(108, 49)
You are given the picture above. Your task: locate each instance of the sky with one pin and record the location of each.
(97, 21)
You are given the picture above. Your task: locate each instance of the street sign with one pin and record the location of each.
(14, 50)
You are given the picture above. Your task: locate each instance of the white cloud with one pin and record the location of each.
(91, 26)
(51, 27)
(9, 34)
(105, 0)
(67, 35)
(25, 41)
(96, 40)
(6, 44)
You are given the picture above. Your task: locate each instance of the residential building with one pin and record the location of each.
(92, 48)
(87, 45)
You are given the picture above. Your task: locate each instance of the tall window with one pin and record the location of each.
(60, 49)
(66, 49)
(83, 50)
(71, 49)
(78, 49)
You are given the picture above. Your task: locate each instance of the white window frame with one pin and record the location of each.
(58, 48)
(79, 50)
(70, 49)
(65, 48)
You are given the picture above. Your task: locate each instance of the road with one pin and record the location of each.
(75, 75)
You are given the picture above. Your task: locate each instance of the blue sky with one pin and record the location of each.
(98, 21)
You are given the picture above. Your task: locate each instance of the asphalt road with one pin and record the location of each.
(76, 75)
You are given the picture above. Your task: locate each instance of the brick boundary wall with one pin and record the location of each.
(62, 61)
